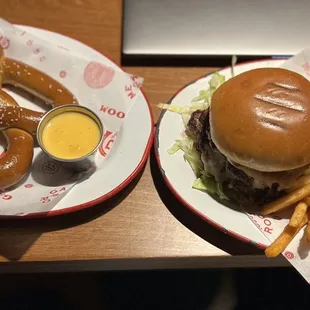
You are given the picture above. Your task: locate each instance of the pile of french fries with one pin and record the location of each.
(298, 198)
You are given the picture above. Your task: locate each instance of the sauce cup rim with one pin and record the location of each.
(68, 108)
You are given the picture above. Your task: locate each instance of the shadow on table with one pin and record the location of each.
(194, 222)
(18, 235)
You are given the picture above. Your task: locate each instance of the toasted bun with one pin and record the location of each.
(260, 119)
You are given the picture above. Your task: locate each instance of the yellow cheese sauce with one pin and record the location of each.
(70, 135)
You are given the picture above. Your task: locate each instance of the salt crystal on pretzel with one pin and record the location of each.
(35, 82)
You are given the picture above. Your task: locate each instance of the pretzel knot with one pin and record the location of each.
(18, 124)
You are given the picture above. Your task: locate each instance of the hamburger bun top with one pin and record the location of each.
(260, 119)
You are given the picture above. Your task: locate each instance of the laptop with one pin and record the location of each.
(206, 32)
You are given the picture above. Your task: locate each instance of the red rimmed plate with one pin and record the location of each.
(125, 161)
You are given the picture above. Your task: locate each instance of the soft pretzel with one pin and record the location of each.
(19, 124)
(17, 117)
(18, 74)
(39, 84)
(18, 157)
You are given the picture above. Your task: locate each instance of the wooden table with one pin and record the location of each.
(144, 226)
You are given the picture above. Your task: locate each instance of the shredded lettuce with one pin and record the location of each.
(188, 109)
(191, 155)
(216, 81)
(205, 95)
(204, 182)
(208, 184)
(200, 102)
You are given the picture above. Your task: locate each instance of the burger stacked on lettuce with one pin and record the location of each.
(248, 138)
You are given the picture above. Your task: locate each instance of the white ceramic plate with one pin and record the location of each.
(123, 165)
(179, 176)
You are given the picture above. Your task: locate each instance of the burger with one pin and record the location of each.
(253, 140)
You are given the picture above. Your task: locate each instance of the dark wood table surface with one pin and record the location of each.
(144, 226)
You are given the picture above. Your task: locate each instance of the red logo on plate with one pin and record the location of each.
(28, 185)
(2, 154)
(108, 141)
(4, 42)
(97, 75)
(289, 255)
(62, 74)
(6, 197)
(101, 148)
(111, 111)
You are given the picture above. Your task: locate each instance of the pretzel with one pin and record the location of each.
(17, 117)
(18, 158)
(19, 124)
(18, 74)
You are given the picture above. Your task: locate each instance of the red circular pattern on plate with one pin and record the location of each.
(6, 197)
(97, 75)
(62, 74)
(289, 255)
(2, 154)
(5, 43)
(28, 185)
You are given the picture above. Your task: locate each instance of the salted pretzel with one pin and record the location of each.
(18, 157)
(39, 84)
(19, 124)
(14, 116)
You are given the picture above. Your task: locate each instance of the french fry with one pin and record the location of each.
(300, 182)
(298, 215)
(287, 200)
(307, 232)
(280, 244)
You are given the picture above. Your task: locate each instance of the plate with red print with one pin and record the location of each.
(130, 150)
